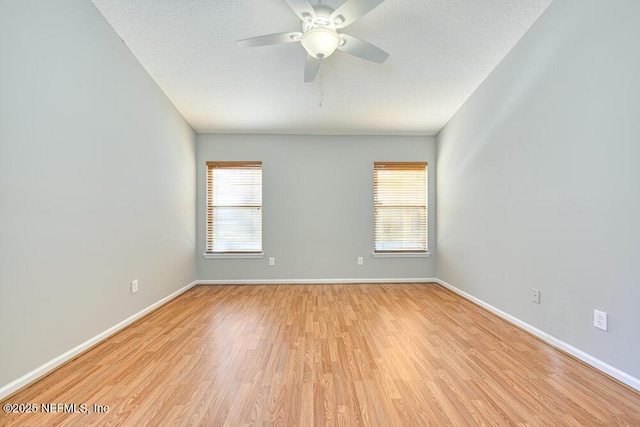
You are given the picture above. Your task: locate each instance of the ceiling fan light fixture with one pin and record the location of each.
(320, 42)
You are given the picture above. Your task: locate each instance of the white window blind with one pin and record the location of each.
(400, 206)
(234, 207)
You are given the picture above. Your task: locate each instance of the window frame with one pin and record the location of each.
(209, 208)
(399, 166)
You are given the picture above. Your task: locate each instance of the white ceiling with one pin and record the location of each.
(440, 51)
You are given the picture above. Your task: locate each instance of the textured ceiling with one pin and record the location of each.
(440, 51)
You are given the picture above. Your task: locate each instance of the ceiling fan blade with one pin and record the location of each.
(303, 9)
(311, 68)
(360, 48)
(270, 39)
(352, 10)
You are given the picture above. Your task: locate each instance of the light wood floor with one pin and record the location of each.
(311, 355)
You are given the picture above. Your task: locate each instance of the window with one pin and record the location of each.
(234, 207)
(400, 207)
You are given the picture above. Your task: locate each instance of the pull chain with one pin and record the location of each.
(321, 84)
(321, 76)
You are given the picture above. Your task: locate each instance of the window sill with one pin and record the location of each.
(234, 255)
(401, 254)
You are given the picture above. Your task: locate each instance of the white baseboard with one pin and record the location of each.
(40, 371)
(312, 281)
(551, 340)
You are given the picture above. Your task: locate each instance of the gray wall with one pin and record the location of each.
(97, 183)
(318, 205)
(539, 182)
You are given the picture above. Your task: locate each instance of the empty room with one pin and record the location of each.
(336, 212)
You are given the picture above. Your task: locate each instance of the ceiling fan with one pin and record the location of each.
(320, 34)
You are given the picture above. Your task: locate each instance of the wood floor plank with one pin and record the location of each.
(334, 354)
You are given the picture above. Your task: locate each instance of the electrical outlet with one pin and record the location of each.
(272, 261)
(535, 296)
(600, 319)
(360, 260)
(134, 286)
